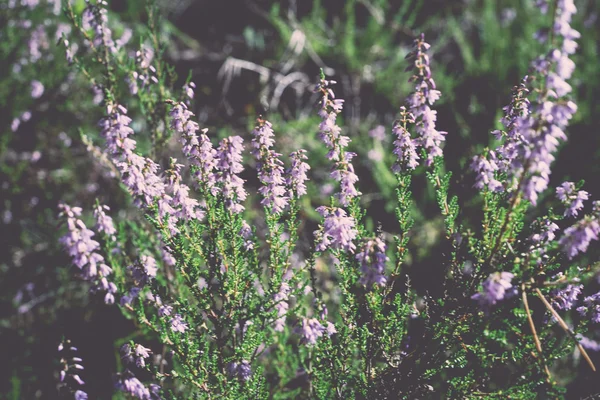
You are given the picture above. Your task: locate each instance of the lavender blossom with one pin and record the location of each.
(229, 164)
(178, 324)
(330, 135)
(104, 223)
(186, 206)
(496, 288)
(70, 367)
(419, 102)
(338, 230)
(571, 198)
(372, 261)
(37, 89)
(129, 384)
(405, 148)
(296, 174)
(281, 305)
(198, 149)
(135, 355)
(312, 329)
(591, 308)
(565, 299)
(486, 168)
(588, 343)
(270, 167)
(83, 249)
(241, 370)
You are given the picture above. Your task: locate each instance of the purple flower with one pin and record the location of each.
(296, 174)
(571, 198)
(229, 164)
(135, 355)
(311, 330)
(330, 135)
(281, 305)
(421, 99)
(591, 308)
(37, 89)
(129, 384)
(178, 324)
(405, 148)
(80, 395)
(104, 223)
(270, 167)
(486, 168)
(565, 299)
(186, 206)
(588, 343)
(378, 133)
(372, 261)
(149, 265)
(338, 230)
(70, 365)
(496, 288)
(241, 370)
(577, 237)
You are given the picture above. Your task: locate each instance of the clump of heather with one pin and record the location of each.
(236, 292)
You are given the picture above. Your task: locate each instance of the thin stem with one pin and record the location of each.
(536, 339)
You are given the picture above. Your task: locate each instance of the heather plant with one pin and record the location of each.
(235, 295)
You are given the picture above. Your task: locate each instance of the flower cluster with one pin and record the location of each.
(296, 174)
(419, 102)
(496, 288)
(565, 299)
(578, 236)
(591, 308)
(129, 384)
(372, 261)
(229, 164)
(330, 134)
(104, 223)
(135, 354)
(405, 148)
(84, 251)
(573, 199)
(70, 367)
(338, 230)
(240, 370)
(269, 166)
(197, 148)
(312, 329)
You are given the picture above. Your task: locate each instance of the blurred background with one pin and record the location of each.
(250, 58)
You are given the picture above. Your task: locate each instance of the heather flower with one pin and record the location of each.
(378, 133)
(330, 135)
(311, 330)
(270, 167)
(486, 169)
(588, 343)
(129, 384)
(338, 230)
(591, 308)
(281, 305)
(37, 89)
(178, 324)
(577, 237)
(296, 174)
(104, 223)
(188, 207)
(496, 288)
(246, 234)
(565, 299)
(70, 367)
(571, 198)
(372, 261)
(241, 370)
(421, 99)
(135, 355)
(546, 232)
(188, 90)
(149, 265)
(229, 164)
(83, 249)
